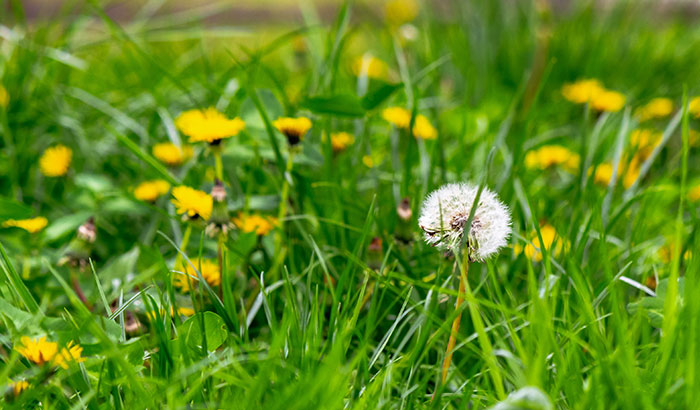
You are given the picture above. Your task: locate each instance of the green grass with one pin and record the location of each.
(308, 316)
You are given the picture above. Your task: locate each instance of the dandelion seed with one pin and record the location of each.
(446, 211)
(55, 161)
(208, 125)
(552, 155)
(32, 225)
(293, 128)
(261, 225)
(192, 203)
(149, 191)
(171, 154)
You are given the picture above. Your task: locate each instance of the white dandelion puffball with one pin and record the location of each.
(446, 210)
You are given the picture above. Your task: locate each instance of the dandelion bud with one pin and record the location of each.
(219, 220)
(374, 253)
(446, 211)
(78, 251)
(87, 231)
(404, 210)
(404, 228)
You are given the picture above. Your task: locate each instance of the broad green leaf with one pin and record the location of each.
(345, 105)
(62, 226)
(10, 209)
(215, 328)
(378, 95)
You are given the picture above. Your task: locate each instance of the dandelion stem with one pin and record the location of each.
(283, 203)
(464, 269)
(183, 245)
(79, 290)
(220, 256)
(218, 165)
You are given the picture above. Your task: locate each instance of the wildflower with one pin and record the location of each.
(209, 270)
(656, 108)
(399, 117)
(694, 193)
(370, 66)
(629, 173)
(549, 234)
(368, 161)
(582, 91)
(606, 100)
(208, 125)
(645, 140)
(71, 353)
(398, 12)
(54, 162)
(192, 203)
(261, 225)
(171, 154)
(185, 311)
(552, 155)
(446, 211)
(38, 351)
(693, 138)
(293, 128)
(423, 129)
(32, 225)
(150, 190)
(19, 386)
(341, 140)
(667, 251)
(219, 220)
(694, 107)
(4, 97)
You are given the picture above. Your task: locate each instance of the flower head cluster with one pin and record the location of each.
(293, 128)
(341, 140)
(208, 125)
(552, 155)
(191, 202)
(149, 191)
(401, 118)
(32, 225)
(171, 154)
(261, 225)
(370, 66)
(592, 92)
(54, 162)
(656, 108)
(41, 351)
(445, 213)
(188, 278)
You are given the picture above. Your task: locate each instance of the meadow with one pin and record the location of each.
(202, 212)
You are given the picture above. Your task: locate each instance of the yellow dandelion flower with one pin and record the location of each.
(398, 12)
(208, 125)
(370, 66)
(627, 172)
(423, 129)
(4, 97)
(71, 353)
(582, 91)
(656, 108)
(341, 140)
(54, 162)
(552, 155)
(191, 202)
(667, 251)
(32, 225)
(610, 101)
(171, 154)
(149, 191)
(38, 351)
(398, 116)
(694, 193)
(694, 107)
(368, 161)
(631, 173)
(293, 128)
(645, 140)
(19, 386)
(261, 225)
(549, 234)
(693, 138)
(188, 278)
(185, 311)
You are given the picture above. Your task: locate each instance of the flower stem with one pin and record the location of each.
(464, 269)
(183, 245)
(283, 200)
(218, 165)
(220, 256)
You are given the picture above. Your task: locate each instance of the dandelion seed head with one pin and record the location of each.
(445, 213)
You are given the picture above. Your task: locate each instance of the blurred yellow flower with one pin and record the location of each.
(606, 100)
(192, 202)
(398, 12)
(171, 154)
(656, 108)
(551, 155)
(261, 225)
(71, 353)
(398, 116)
(19, 386)
(549, 234)
(341, 140)
(582, 91)
(4, 97)
(645, 140)
(149, 191)
(38, 351)
(627, 172)
(423, 129)
(369, 66)
(694, 193)
(185, 311)
(667, 251)
(55, 161)
(368, 161)
(208, 125)
(32, 225)
(694, 107)
(209, 270)
(293, 128)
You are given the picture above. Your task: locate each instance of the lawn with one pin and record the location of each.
(269, 210)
